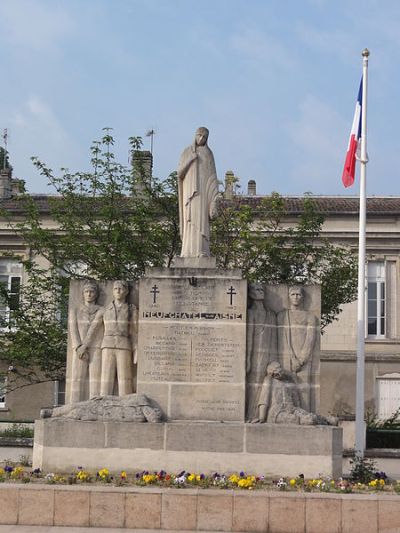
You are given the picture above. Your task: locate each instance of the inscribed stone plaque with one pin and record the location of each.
(192, 342)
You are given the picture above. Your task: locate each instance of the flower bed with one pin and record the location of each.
(184, 479)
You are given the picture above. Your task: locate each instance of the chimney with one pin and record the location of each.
(5, 183)
(17, 186)
(229, 182)
(251, 188)
(142, 166)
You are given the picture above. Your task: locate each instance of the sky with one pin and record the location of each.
(275, 81)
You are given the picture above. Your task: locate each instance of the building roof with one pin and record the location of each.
(334, 205)
(326, 205)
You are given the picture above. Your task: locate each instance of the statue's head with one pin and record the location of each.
(90, 291)
(201, 136)
(274, 370)
(120, 289)
(256, 291)
(296, 295)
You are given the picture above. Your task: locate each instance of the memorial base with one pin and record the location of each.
(266, 449)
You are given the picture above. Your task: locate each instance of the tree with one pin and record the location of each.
(114, 221)
(257, 238)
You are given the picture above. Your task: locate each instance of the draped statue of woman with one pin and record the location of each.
(198, 191)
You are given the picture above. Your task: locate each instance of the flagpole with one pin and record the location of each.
(360, 429)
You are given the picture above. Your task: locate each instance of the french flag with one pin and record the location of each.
(354, 141)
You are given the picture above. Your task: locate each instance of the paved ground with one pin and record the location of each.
(48, 529)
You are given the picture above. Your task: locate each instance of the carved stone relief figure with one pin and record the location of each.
(130, 408)
(119, 342)
(279, 401)
(85, 323)
(198, 191)
(297, 334)
(261, 346)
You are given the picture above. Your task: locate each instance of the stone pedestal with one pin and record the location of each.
(192, 342)
(268, 449)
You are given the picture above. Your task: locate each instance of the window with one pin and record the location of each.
(59, 393)
(388, 393)
(2, 392)
(376, 326)
(10, 278)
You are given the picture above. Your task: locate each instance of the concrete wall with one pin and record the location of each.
(198, 509)
(338, 380)
(25, 403)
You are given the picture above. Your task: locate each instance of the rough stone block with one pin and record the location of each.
(214, 513)
(389, 514)
(71, 508)
(73, 433)
(179, 512)
(360, 514)
(107, 509)
(143, 511)
(323, 515)
(204, 437)
(286, 515)
(285, 439)
(250, 512)
(159, 392)
(36, 507)
(130, 435)
(9, 505)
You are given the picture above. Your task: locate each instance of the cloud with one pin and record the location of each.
(36, 130)
(318, 139)
(262, 49)
(337, 42)
(37, 25)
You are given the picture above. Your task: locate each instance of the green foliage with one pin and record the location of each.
(362, 470)
(107, 220)
(110, 223)
(268, 247)
(392, 422)
(17, 431)
(114, 221)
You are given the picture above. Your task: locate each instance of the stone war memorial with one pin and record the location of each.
(192, 367)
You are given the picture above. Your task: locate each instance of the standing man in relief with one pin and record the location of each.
(297, 335)
(198, 191)
(119, 342)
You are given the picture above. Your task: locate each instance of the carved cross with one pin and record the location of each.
(154, 292)
(231, 292)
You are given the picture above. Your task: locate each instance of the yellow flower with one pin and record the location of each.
(82, 475)
(17, 472)
(2, 471)
(373, 483)
(234, 478)
(123, 474)
(192, 477)
(198, 477)
(149, 478)
(104, 473)
(246, 483)
(382, 482)
(292, 482)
